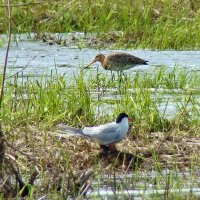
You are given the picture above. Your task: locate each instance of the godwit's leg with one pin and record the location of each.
(120, 76)
(125, 76)
(112, 75)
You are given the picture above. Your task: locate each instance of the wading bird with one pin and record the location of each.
(118, 61)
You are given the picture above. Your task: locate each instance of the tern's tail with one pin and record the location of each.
(70, 130)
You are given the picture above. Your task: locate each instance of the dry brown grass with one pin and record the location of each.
(60, 158)
(50, 150)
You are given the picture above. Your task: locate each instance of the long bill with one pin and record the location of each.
(89, 64)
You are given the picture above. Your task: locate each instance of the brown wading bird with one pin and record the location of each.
(118, 61)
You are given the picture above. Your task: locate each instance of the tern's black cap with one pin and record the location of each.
(120, 117)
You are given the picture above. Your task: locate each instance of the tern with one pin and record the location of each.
(117, 61)
(105, 135)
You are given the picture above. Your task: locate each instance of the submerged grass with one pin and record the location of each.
(156, 24)
(33, 107)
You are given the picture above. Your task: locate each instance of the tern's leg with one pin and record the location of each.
(112, 147)
(104, 148)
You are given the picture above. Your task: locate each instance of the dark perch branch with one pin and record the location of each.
(7, 51)
(2, 88)
(1, 151)
(8, 163)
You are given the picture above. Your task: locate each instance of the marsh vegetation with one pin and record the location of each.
(148, 24)
(160, 157)
(33, 108)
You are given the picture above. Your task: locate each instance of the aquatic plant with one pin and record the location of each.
(143, 24)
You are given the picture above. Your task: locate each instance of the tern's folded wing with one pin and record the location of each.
(96, 130)
(104, 134)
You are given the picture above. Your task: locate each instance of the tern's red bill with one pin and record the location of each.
(130, 120)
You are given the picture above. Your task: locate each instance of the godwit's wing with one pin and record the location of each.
(121, 58)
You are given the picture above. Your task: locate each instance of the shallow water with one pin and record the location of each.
(147, 185)
(35, 59)
(45, 58)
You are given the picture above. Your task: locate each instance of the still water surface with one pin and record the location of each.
(39, 58)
